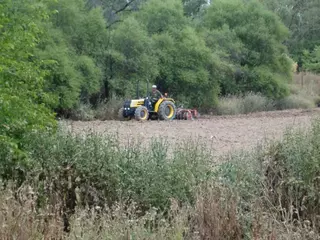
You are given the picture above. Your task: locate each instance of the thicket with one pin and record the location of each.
(92, 185)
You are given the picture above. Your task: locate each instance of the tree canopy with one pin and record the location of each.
(24, 105)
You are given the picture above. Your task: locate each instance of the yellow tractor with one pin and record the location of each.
(142, 109)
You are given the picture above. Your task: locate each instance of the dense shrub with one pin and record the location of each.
(106, 171)
(24, 106)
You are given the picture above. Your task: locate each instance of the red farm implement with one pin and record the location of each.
(187, 114)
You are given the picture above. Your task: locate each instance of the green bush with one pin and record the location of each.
(106, 171)
(24, 106)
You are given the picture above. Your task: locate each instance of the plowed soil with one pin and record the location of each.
(223, 133)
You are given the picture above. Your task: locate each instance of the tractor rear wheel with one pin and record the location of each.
(121, 117)
(167, 111)
(141, 113)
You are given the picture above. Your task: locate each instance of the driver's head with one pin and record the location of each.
(154, 88)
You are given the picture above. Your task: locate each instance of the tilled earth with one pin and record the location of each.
(223, 133)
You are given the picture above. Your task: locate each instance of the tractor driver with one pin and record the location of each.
(155, 95)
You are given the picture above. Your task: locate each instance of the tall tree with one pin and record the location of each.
(131, 57)
(23, 103)
(75, 41)
(251, 37)
(303, 20)
(185, 63)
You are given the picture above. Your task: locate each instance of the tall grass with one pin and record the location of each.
(252, 102)
(295, 102)
(89, 187)
(109, 109)
(248, 103)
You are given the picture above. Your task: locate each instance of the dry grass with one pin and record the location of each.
(109, 110)
(216, 215)
(307, 85)
(308, 81)
(20, 220)
(249, 103)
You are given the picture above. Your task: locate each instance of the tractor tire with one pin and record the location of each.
(141, 113)
(167, 111)
(121, 117)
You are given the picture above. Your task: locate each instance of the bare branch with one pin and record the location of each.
(124, 7)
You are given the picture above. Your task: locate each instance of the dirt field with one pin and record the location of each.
(223, 133)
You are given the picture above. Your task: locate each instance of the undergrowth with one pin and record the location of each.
(92, 186)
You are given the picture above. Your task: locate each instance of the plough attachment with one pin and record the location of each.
(187, 114)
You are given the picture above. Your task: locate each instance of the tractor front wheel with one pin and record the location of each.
(167, 111)
(141, 113)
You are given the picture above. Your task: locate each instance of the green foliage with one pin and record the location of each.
(73, 41)
(251, 38)
(312, 60)
(253, 102)
(169, 16)
(83, 52)
(303, 20)
(82, 112)
(105, 171)
(23, 103)
(186, 65)
(293, 173)
(131, 57)
(193, 7)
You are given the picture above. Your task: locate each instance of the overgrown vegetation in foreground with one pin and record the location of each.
(91, 187)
